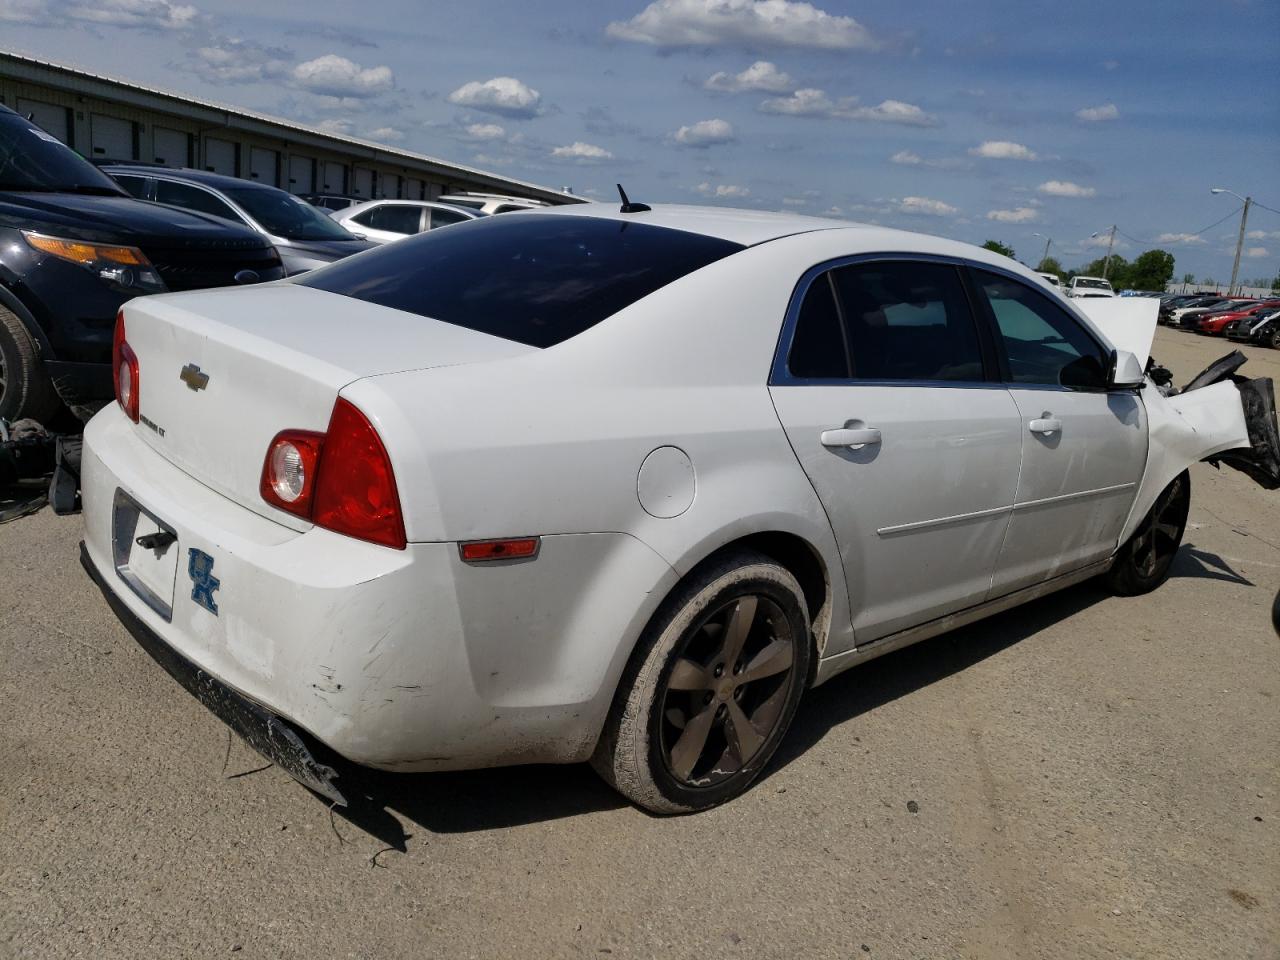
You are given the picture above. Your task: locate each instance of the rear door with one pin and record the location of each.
(1084, 448)
(889, 394)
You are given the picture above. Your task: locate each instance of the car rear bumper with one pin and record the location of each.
(264, 731)
(400, 659)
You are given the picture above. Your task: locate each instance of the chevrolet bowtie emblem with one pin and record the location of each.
(193, 378)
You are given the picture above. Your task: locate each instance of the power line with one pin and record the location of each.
(1265, 207)
(1195, 233)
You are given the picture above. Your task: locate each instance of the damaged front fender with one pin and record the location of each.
(1218, 417)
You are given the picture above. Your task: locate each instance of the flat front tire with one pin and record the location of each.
(1143, 563)
(711, 689)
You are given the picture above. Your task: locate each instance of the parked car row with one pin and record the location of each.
(78, 239)
(1242, 319)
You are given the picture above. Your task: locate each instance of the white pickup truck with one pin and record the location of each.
(1090, 287)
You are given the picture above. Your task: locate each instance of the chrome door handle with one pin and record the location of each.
(856, 438)
(1046, 425)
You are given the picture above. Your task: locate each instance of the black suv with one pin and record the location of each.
(73, 248)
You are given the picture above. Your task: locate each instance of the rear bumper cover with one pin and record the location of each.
(264, 731)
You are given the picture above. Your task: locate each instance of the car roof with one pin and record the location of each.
(378, 201)
(747, 227)
(218, 181)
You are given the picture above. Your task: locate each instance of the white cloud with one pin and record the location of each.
(335, 125)
(750, 23)
(1065, 188)
(1002, 150)
(1018, 215)
(722, 191)
(704, 133)
(1110, 65)
(486, 131)
(795, 202)
(1108, 111)
(1179, 238)
(810, 102)
(895, 111)
(582, 152)
(761, 76)
(386, 134)
(807, 102)
(505, 96)
(146, 14)
(906, 158)
(1257, 253)
(232, 60)
(1262, 235)
(923, 206)
(34, 12)
(335, 76)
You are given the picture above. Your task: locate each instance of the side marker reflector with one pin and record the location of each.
(477, 551)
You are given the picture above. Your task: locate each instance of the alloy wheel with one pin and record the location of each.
(1158, 538)
(727, 690)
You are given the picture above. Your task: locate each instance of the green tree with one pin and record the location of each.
(1188, 278)
(995, 246)
(1150, 271)
(1050, 265)
(1117, 272)
(1275, 284)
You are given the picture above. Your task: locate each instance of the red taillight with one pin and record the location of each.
(341, 479)
(124, 371)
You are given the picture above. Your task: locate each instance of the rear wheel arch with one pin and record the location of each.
(798, 556)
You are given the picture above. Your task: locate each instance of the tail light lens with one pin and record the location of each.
(125, 371)
(340, 480)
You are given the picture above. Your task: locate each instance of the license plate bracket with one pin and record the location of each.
(151, 573)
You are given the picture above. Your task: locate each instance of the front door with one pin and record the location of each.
(1083, 448)
(895, 412)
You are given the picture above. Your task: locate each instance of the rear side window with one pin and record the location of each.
(393, 218)
(818, 349)
(535, 279)
(442, 218)
(135, 185)
(193, 198)
(908, 320)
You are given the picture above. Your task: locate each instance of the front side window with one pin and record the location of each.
(907, 320)
(536, 279)
(1042, 342)
(193, 198)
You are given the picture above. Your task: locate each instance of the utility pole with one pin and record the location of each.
(1235, 267)
(1047, 243)
(1106, 264)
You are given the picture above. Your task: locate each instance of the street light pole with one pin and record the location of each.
(1244, 218)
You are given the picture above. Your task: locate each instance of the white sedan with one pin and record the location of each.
(619, 486)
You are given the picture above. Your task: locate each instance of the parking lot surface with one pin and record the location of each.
(1085, 776)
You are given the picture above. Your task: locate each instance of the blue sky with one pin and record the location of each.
(971, 120)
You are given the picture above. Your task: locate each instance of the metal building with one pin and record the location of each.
(107, 119)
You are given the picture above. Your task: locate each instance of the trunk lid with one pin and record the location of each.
(221, 373)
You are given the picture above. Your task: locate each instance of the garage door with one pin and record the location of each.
(414, 189)
(335, 177)
(49, 117)
(301, 175)
(362, 185)
(264, 166)
(220, 157)
(171, 147)
(111, 137)
(389, 185)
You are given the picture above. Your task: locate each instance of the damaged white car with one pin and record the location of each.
(620, 485)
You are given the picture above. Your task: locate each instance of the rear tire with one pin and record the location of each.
(1274, 340)
(711, 689)
(1143, 563)
(25, 388)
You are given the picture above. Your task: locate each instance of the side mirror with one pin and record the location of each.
(1126, 371)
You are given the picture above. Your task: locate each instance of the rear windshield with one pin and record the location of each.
(531, 278)
(1093, 284)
